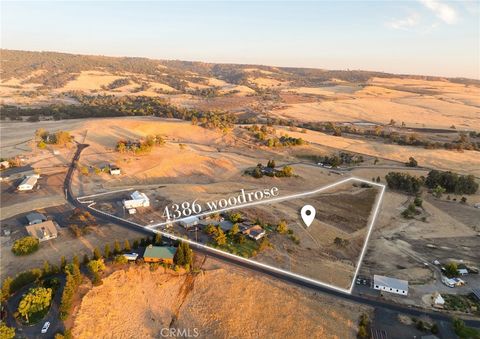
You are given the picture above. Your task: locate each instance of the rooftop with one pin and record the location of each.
(42, 230)
(162, 252)
(390, 282)
(34, 216)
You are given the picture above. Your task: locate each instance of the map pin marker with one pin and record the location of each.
(308, 214)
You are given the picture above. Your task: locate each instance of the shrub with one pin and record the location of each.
(24, 246)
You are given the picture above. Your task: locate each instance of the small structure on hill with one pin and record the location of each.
(390, 285)
(28, 183)
(35, 218)
(138, 200)
(114, 170)
(255, 232)
(162, 254)
(189, 222)
(43, 231)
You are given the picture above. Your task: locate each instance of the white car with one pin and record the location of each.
(45, 327)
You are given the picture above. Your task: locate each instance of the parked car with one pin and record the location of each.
(45, 327)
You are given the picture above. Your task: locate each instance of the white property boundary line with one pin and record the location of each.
(256, 263)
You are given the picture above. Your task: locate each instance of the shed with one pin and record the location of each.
(391, 285)
(138, 200)
(28, 183)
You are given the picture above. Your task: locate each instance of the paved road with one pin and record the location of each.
(34, 331)
(377, 303)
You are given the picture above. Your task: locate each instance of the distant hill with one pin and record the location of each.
(56, 69)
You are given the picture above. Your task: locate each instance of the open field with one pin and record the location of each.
(204, 301)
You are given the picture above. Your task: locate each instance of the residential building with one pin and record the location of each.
(255, 232)
(114, 170)
(43, 231)
(391, 285)
(162, 254)
(189, 222)
(138, 200)
(462, 271)
(28, 183)
(35, 218)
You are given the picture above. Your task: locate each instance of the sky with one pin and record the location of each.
(429, 37)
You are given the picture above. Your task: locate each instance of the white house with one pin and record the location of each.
(189, 222)
(138, 200)
(462, 271)
(43, 231)
(115, 170)
(391, 285)
(28, 183)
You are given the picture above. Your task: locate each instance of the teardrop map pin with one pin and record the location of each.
(308, 214)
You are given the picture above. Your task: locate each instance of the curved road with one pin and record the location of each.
(377, 303)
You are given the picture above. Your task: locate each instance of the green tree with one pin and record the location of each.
(63, 262)
(257, 173)
(67, 296)
(96, 254)
(438, 191)
(36, 300)
(451, 269)
(126, 246)
(187, 254)
(179, 257)
(234, 230)
(86, 259)
(282, 227)
(95, 267)
(106, 251)
(287, 171)
(76, 261)
(235, 217)
(158, 239)
(271, 164)
(120, 259)
(117, 249)
(418, 202)
(25, 245)
(220, 238)
(6, 286)
(6, 332)
(135, 244)
(411, 162)
(46, 268)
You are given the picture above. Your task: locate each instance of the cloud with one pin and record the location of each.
(408, 22)
(443, 11)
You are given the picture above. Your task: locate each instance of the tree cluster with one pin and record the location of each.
(25, 245)
(183, 255)
(404, 182)
(452, 182)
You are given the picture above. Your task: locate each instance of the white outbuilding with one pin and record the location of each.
(391, 285)
(138, 200)
(28, 183)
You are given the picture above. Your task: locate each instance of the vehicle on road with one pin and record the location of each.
(45, 327)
